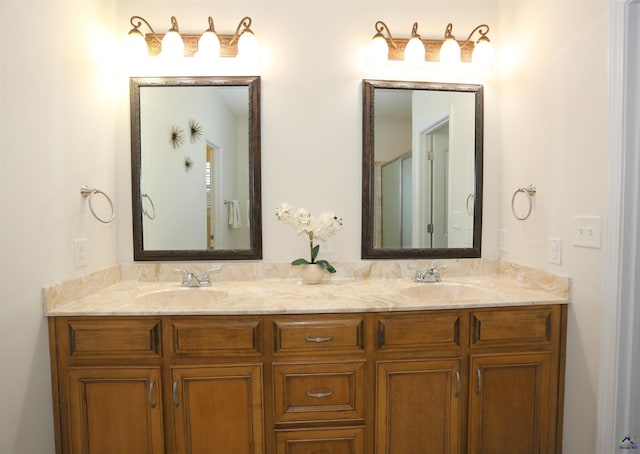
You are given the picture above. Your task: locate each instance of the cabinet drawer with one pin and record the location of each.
(320, 334)
(129, 338)
(216, 336)
(512, 326)
(319, 392)
(419, 330)
(349, 440)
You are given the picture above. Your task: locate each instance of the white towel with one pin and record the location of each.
(233, 214)
(248, 214)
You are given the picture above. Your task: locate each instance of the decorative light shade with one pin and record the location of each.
(209, 44)
(172, 44)
(378, 53)
(415, 51)
(450, 52)
(136, 46)
(483, 54)
(248, 48)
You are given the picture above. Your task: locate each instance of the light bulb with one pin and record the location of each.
(378, 52)
(172, 45)
(414, 53)
(450, 52)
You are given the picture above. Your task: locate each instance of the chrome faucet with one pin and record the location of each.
(190, 279)
(430, 275)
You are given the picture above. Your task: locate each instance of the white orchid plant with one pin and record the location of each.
(319, 228)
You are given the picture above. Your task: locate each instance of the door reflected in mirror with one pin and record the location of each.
(196, 168)
(422, 170)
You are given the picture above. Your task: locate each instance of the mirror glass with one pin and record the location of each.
(422, 170)
(195, 159)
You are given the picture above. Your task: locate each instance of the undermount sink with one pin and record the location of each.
(183, 296)
(445, 291)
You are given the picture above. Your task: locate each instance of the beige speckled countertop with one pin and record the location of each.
(269, 288)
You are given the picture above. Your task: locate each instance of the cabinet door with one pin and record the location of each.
(509, 404)
(218, 409)
(418, 407)
(115, 410)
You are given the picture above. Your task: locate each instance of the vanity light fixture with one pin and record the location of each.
(209, 46)
(415, 51)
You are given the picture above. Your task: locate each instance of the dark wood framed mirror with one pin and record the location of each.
(195, 168)
(421, 170)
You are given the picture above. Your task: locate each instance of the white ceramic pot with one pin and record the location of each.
(312, 273)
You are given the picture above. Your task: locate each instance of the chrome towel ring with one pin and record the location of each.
(530, 191)
(153, 207)
(88, 192)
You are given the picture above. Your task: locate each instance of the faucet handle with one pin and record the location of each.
(187, 277)
(205, 276)
(185, 273)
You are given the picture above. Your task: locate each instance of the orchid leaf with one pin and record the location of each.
(314, 253)
(300, 262)
(326, 265)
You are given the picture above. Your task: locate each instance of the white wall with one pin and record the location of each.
(58, 133)
(65, 122)
(553, 128)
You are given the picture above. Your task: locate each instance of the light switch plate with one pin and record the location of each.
(587, 231)
(555, 251)
(504, 240)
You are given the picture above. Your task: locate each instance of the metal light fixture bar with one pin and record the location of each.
(432, 46)
(228, 43)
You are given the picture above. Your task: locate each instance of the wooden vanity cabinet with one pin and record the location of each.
(321, 381)
(419, 395)
(215, 368)
(475, 381)
(517, 379)
(109, 385)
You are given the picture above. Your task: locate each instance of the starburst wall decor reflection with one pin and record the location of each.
(176, 138)
(196, 130)
(188, 163)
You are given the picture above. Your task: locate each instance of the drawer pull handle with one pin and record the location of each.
(318, 339)
(175, 393)
(152, 399)
(457, 393)
(320, 395)
(479, 374)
